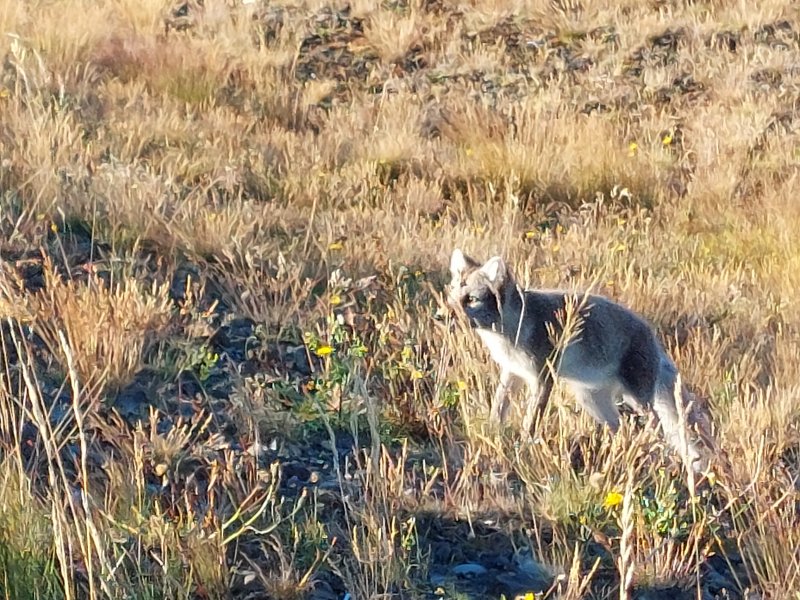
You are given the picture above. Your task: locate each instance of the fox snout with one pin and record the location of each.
(448, 308)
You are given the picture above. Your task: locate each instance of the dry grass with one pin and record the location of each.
(225, 228)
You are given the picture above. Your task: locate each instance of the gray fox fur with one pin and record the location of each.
(608, 352)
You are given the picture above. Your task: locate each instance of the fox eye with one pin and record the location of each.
(473, 299)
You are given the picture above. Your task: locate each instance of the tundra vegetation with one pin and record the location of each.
(224, 231)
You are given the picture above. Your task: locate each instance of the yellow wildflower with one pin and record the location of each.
(335, 300)
(612, 499)
(335, 246)
(632, 148)
(667, 139)
(324, 350)
(417, 374)
(462, 385)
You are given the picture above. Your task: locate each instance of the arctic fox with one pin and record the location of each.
(610, 352)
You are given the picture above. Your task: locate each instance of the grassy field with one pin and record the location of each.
(225, 231)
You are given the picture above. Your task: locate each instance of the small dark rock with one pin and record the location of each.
(188, 384)
(295, 359)
(469, 570)
(272, 20)
(663, 593)
(218, 385)
(322, 591)
(236, 338)
(767, 78)
(594, 107)
(185, 282)
(32, 274)
(131, 403)
(659, 51)
(779, 35)
(164, 426)
(725, 40)
(516, 583)
(606, 34)
(296, 470)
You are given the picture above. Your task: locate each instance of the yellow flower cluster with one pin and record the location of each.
(612, 499)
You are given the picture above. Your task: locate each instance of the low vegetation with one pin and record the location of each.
(225, 230)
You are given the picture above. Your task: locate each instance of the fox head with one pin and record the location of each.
(476, 291)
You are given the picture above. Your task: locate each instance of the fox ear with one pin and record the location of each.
(495, 271)
(457, 262)
(460, 262)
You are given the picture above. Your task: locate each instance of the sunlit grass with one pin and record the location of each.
(225, 233)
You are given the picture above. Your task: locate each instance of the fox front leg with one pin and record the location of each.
(508, 383)
(537, 403)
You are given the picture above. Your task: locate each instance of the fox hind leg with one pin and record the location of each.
(600, 403)
(666, 404)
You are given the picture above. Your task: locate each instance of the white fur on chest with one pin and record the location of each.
(509, 357)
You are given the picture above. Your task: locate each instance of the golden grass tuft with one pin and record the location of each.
(254, 182)
(106, 325)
